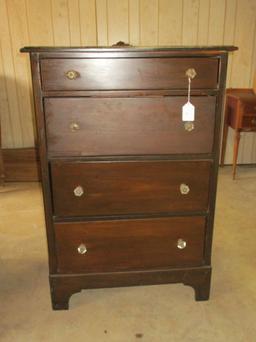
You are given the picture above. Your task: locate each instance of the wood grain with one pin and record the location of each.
(129, 187)
(134, 22)
(62, 286)
(102, 22)
(118, 17)
(147, 22)
(216, 21)
(40, 24)
(129, 244)
(19, 32)
(74, 22)
(88, 28)
(21, 165)
(2, 173)
(144, 73)
(170, 22)
(9, 78)
(190, 22)
(5, 117)
(93, 200)
(203, 22)
(60, 19)
(129, 126)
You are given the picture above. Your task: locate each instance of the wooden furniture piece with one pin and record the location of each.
(129, 188)
(21, 165)
(240, 114)
(1, 160)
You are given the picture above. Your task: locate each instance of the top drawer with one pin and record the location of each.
(127, 73)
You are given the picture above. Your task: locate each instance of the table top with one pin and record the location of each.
(242, 94)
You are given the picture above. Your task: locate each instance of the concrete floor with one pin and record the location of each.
(162, 313)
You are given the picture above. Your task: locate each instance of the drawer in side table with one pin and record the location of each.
(128, 126)
(123, 73)
(106, 246)
(249, 121)
(129, 187)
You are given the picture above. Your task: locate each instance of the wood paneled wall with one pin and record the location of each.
(104, 22)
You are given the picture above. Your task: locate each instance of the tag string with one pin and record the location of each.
(189, 86)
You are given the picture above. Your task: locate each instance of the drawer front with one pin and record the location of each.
(250, 108)
(249, 121)
(105, 246)
(127, 126)
(124, 73)
(112, 188)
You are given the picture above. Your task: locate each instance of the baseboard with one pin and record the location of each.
(243, 165)
(21, 165)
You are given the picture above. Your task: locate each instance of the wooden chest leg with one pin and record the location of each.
(202, 291)
(61, 292)
(201, 283)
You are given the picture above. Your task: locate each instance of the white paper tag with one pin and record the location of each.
(188, 112)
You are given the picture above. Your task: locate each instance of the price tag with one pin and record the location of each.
(188, 112)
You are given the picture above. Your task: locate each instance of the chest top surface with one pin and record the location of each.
(186, 49)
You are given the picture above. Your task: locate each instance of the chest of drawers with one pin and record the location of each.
(129, 188)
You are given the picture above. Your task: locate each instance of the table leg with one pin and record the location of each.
(1, 168)
(1, 162)
(235, 152)
(224, 137)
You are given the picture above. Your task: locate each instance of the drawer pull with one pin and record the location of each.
(184, 189)
(191, 73)
(82, 249)
(253, 121)
(189, 126)
(181, 244)
(71, 74)
(74, 127)
(79, 191)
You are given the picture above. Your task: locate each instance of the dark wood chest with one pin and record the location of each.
(129, 187)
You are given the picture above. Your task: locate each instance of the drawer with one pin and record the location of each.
(249, 121)
(127, 126)
(130, 187)
(106, 246)
(127, 73)
(249, 107)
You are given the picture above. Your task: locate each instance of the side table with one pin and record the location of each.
(240, 114)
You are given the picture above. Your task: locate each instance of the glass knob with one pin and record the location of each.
(79, 191)
(74, 127)
(181, 244)
(71, 74)
(191, 73)
(189, 126)
(184, 189)
(82, 249)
